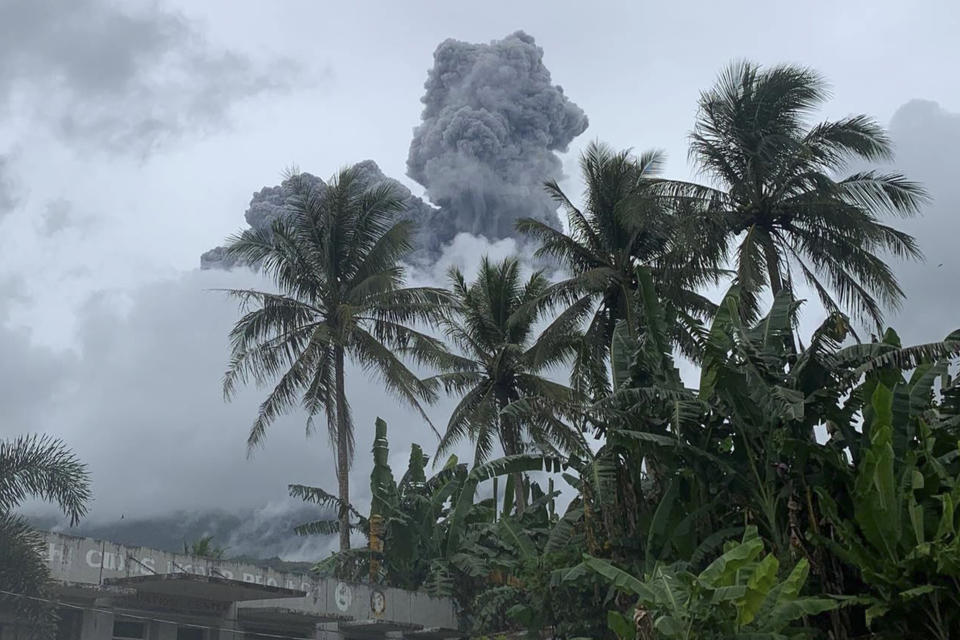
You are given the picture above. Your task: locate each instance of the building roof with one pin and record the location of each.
(281, 616)
(181, 585)
(203, 587)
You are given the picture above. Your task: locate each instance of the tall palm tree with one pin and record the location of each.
(625, 222)
(34, 467)
(501, 374)
(334, 256)
(779, 184)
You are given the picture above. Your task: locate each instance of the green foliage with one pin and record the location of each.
(624, 223)
(203, 547)
(682, 470)
(779, 191)
(408, 541)
(903, 534)
(335, 258)
(506, 398)
(738, 595)
(835, 459)
(42, 468)
(438, 537)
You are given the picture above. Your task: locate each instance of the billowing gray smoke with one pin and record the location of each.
(491, 124)
(269, 203)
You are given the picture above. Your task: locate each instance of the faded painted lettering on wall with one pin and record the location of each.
(85, 561)
(80, 559)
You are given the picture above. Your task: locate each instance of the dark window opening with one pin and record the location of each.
(189, 633)
(69, 625)
(128, 629)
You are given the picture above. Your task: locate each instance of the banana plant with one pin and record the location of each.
(653, 426)
(737, 596)
(768, 395)
(521, 567)
(402, 527)
(903, 536)
(422, 532)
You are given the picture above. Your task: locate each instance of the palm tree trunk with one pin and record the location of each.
(343, 451)
(510, 441)
(773, 265)
(520, 492)
(776, 286)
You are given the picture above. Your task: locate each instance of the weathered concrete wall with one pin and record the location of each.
(90, 561)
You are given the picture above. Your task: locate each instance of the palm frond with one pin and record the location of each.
(38, 466)
(316, 495)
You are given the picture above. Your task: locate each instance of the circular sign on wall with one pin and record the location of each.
(378, 603)
(343, 596)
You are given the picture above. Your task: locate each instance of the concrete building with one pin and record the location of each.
(107, 591)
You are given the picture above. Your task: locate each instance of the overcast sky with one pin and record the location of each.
(132, 136)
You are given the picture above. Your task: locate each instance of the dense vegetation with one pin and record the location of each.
(806, 486)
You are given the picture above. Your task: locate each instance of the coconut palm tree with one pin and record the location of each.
(779, 185)
(625, 222)
(506, 397)
(334, 258)
(34, 467)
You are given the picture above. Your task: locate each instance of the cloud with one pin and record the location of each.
(464, 253)
(926, 137)
(265, 531)
(59, 216)
(139, 400)
(492, 122)
(29, 373)
(122, 77)
(9, 195)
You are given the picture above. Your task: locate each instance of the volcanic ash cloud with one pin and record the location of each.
(492, 124)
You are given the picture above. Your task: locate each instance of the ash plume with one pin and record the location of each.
(269, 204)
(492, 123)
